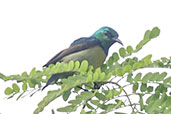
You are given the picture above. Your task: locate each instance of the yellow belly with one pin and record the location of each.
(95, 56)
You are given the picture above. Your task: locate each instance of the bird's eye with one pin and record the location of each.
(106, 32)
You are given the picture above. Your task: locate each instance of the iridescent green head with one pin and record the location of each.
(107, 36)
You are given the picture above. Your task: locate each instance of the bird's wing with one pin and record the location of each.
(76, 46)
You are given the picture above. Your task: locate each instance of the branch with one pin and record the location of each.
(123, 90)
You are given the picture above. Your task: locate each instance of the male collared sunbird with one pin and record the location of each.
(94, 49)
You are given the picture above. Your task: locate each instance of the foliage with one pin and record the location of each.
(105, 89)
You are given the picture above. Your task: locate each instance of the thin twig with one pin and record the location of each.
(126, 85)
(121, 79)
(124, 92)
(82, 88)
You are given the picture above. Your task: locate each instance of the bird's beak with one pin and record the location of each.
(119, 41)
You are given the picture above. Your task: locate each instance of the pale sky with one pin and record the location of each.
(33, 31)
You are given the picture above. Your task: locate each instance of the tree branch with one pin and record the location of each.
(123, 90)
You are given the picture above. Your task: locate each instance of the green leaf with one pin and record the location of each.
(158, 77)
(33, 71)
(141, 102)
(135, 59)
(164, 59)
(153, 97)
(100, 96)
(24, 86)
(162, 75)
(109, 95)
(143, 87)
(102, 76)
(146, 78)
(24, 74)
(129, 78)
(95, 76)
(135, 87)
(127, 68)
(119, 103)
(110, 61)
(95, 102)
(150, 89)
(87, 95)
(3, 77)
(118, 71)
(15, 88)
(129, 49)
(155, 77)
(70, 65)
(155, 32)
(167, 80)
(8, 91)
(75, 102)
(122, 52)
(69, 108)
(140, 45)
(89, 106)
(63, 68)
(31, 85)
(109, 107)
(108, 76)
(157, 105)
(104, 67)
(145, 41)
(138, 77)
(115, 57)
(83, 111)
(89, 76)
(147, 59)
(84, 66)
(66, 95)
(137, 65)
(161, 88)
(52, 95)
(76, 66)
(98, 70)
(90, 68)
(116, 93)
(58, 66)
(147, 34)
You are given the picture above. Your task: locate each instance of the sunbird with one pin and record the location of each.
(94, 49)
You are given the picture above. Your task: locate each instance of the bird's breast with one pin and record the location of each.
(95, 56)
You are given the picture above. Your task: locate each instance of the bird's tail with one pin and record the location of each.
(57, 76)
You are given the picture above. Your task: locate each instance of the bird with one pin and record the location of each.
(94, 49)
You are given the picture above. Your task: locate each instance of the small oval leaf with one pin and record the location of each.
(129, 49)
(155, 32)
(115, 57)
(84, 66)
(15, 88)
(77, 65)
(122, 52)
(8, 91)
(66, 95)
(24, 86)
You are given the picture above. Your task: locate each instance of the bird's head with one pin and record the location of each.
(107, 36)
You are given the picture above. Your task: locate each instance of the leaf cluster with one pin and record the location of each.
(102, 90)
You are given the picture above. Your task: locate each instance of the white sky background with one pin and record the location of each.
(33, 31)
